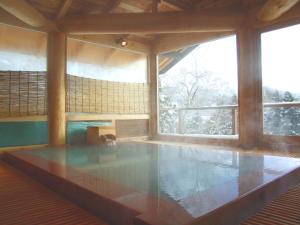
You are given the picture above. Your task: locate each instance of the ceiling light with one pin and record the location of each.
(122, 42)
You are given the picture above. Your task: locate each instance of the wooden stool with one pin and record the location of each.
(95, 132)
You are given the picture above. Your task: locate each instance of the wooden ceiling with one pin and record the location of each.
(51, 8)
(154, 19)
(57, 9)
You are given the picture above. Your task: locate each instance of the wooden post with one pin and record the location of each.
(180, 129)
(153, 73)
(250, 87)
(56, 88)
(233, 119)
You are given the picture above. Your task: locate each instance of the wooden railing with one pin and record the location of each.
(233, 108)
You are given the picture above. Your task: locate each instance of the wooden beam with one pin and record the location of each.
(168, 22)
(179, 4)
(110, 41)
(273, 9)
(9, 19)
(104, 117)
(26, 13)
(172, 42)
(153, 102)
(165, 6)
(112, 5)
(56, 88)
(289, 18)
(155, 4)
(64, 9)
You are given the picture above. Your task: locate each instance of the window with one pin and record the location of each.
(198, 89)
(281, 81)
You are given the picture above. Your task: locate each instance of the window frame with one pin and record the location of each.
(267, 140)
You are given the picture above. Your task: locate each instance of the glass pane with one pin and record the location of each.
(198, 89)
(281, 79)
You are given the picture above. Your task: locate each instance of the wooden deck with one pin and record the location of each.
(283, 211)
(24, 201)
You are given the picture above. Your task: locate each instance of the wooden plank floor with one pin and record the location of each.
(285, 210)
(26, 202)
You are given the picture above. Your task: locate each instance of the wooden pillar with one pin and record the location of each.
(250, 87)
(56, 88)
(153, 74)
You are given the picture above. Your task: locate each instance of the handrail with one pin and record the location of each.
(271, 104)
(282, 104)
(233, 108)
(202, 108)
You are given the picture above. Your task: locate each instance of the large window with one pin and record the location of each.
(198, 89)
(281, 81)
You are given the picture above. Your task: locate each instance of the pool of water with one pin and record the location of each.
(160, 178)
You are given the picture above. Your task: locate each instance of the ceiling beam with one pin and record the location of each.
(167, 22)
(26, 13)
(110, 41)
(273, 9)
(64, 9)
(112, 5)
(172, 42)
(155, 6)
(179, 4)
(290, 17)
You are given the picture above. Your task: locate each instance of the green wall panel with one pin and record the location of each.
(23, 133)
(77, 130)
(36, 132)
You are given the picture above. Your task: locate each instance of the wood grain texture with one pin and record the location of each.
(273, 9)
(250, 111)
(56, 86)
(26, 202)
(169, 22)
(283, 211)
(132, 128)
(27, 13)
(153, 93)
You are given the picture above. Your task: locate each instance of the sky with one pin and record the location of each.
(280, 59)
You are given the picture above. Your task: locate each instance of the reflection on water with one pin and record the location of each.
(182, 175)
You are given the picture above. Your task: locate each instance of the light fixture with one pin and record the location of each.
(122, 42)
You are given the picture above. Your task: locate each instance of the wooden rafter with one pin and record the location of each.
(273, 9)
(64, 9)
(26, 13)
(112, 5)
(179, 4)
(168, 22)
(155, 5)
